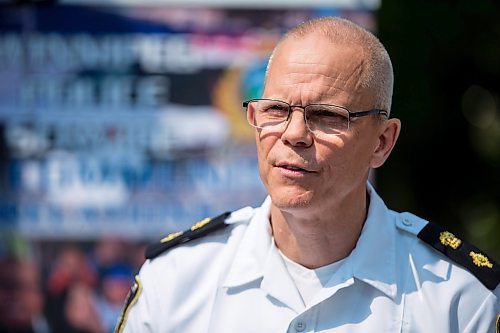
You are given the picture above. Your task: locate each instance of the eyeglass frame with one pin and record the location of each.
(351, 114)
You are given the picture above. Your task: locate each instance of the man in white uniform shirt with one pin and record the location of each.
(323, 253)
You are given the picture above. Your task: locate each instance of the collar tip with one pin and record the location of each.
(236, 283)
(391, 292)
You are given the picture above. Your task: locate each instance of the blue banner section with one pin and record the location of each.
(88, 197)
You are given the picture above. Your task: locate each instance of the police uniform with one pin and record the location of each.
(227, 276)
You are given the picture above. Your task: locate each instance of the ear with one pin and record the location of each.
(386, 141)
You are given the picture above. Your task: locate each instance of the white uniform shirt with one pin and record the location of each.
(235, 281)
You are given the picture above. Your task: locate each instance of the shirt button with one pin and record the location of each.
(300, 326)
(407, 222)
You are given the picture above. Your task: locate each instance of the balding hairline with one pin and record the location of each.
(377, 74)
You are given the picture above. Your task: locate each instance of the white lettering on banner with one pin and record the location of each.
(135, 220)
(64, 171)
(108, 51)
(11, 52)
(164, 134)
(172, 54)
(81, 93)
(111, 91)
(151, 91)
(128, 156)
(177, 195)
(62, 52)
(176, 53)
(89, 137)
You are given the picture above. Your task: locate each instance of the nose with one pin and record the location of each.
(296, 132)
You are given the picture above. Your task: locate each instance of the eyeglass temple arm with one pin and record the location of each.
(367, 113)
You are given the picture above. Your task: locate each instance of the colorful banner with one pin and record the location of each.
(128, 120)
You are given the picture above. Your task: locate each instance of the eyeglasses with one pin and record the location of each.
(319, 118)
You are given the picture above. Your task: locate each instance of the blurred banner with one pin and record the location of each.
(127, 120)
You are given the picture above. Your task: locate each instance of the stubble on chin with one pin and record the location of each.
(289, 200)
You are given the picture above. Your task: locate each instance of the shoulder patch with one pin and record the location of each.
(132, 297)
(199, 229)
(470, 257)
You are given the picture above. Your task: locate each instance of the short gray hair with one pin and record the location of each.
(377, 74)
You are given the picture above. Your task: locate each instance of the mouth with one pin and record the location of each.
(294, 167)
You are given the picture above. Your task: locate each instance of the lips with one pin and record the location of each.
(294, 167)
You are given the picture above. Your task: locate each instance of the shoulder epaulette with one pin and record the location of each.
(470, 257)
(198, 230)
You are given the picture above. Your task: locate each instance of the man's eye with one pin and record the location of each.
(276, 108)
(325, 114)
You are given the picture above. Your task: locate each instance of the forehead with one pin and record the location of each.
(314, 69)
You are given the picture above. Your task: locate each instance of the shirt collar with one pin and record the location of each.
(372, 261)
(251, 256)
(257, 258)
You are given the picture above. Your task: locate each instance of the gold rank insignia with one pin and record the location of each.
(480, 259)
(199, 229)
(200, 224)
(171, 236)
(448, 239)
(484, 268)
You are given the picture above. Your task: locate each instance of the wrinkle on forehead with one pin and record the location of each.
(322, 96)
(305, 72)
(331, 69)
(325, 84)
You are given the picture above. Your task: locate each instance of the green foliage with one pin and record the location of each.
(446, 165)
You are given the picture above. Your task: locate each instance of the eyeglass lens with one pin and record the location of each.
(328, 119)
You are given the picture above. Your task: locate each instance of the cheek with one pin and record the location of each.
(357, 159)
(264, 147)
(343, 159)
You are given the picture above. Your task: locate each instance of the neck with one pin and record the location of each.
(319, 239)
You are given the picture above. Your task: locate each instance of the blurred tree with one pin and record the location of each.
(445, 168)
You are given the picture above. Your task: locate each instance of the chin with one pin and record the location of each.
(289, 200)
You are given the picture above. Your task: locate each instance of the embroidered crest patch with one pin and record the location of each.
(462, 253)
(448, 239)
(480, 260)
